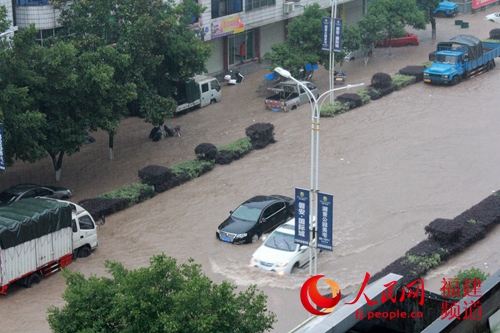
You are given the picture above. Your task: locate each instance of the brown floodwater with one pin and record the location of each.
(393, 166)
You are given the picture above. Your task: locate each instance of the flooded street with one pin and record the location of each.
(393, 166)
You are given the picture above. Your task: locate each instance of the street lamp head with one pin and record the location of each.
(283, 72)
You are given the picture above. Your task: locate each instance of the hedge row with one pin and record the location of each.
(381, 85)
(446, 238)
(157, 179)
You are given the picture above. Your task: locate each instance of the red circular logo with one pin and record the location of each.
(310, 291)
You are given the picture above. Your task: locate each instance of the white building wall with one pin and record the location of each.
(44, 17)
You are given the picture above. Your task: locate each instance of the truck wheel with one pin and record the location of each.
(32, 279)
(455, 80)
(490, 65)
(84, 252)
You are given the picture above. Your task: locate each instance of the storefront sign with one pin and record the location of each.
(227, 27)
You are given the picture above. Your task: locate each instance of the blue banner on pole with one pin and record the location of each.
(2, 157)
(301, 216)
(327, 26)
(325, 221)
(337, 35)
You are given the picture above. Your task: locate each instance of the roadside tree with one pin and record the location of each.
(395, 15)
(164, 297)
(428, 6)
(23, 123)
(156, 35)
(303, 44)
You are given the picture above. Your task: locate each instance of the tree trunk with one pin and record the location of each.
(111, 137)
(433, 25)
(57, 163)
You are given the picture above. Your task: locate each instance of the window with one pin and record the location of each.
(226, 7)
(194, 19)
(215, 85)
(256, 4)
(273, 209)
(32, 2)
(86, 223)
(204, 87)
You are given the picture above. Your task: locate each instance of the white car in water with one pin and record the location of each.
(279, 253)
(494, 17)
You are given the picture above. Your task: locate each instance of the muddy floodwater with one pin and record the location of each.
(393, 166)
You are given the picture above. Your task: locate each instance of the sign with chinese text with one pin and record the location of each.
(337, 35)
(228, 26)
(301, 216)
(325, 44)
(325, 221)
(2, 158)
(480, 3)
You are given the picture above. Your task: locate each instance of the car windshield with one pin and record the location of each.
(246, 213)
(445, 59)
(281, 241)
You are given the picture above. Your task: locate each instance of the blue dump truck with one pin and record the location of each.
(461, 57)
(446, 9)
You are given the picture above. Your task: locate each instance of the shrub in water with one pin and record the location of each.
(354, 100)
(155, 174)
(330, 110)
(206, 151)
(260, 134)
(415, 71)
(381, 80)
(236, 149)
(495, 34)
(133, 192)
(103, 207)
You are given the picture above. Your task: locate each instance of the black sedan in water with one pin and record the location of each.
(255, 217)
(23, 191)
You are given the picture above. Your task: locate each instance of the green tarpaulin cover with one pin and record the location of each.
(32, 218)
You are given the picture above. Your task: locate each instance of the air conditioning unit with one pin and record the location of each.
(288, 7)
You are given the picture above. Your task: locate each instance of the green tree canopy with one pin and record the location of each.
(395, 15)
(164, 297)
(156, 35)
(428, 6)
(23, 124)
(4, 21)
(304, 42)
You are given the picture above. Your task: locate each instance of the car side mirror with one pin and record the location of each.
(230, 212)
(263, 220)
(303, 247)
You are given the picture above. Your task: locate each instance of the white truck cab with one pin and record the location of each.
(84, 232)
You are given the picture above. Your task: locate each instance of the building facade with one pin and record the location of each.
(241, 31)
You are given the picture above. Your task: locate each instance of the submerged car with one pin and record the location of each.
(254, 217)
(494, 17)
(407, 39)
(279, 253)
(23, 191)
(358, 54)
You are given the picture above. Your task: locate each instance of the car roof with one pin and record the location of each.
(261, 201)
(288, 227)
(20, 188)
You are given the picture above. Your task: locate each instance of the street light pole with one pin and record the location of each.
(333, 15)
(315, 121)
